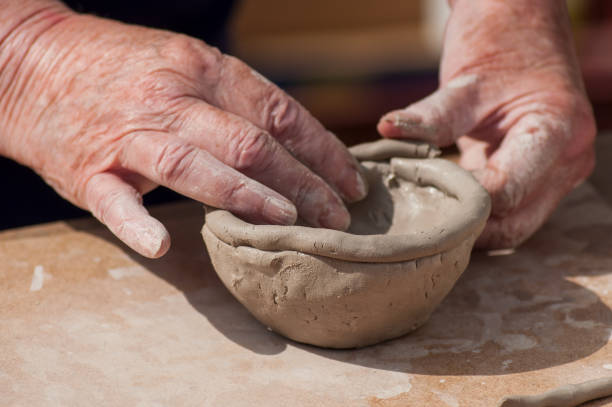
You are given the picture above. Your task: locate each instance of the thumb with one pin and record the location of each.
(440, 118)
(119, 206)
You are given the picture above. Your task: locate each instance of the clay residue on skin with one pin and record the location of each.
(410, 126)
(571, 395)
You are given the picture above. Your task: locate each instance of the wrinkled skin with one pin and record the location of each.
(105, 112)
(512, 98)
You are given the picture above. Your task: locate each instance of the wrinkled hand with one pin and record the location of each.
(105, 112)
(511, 96)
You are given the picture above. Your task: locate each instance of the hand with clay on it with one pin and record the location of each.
(105, 112)
(512, 97)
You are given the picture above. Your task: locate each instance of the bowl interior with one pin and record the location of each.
(395, 205)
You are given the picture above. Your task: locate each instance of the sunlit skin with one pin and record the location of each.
(105, 112)
(512, 98)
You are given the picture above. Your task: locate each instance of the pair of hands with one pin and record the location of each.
(105, 112)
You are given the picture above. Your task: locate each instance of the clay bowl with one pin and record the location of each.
(408, 243)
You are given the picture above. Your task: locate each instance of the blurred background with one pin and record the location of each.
(348, 62)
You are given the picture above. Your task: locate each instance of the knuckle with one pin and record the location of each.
(229, 68)
(195, 59)
(233, 194)
(207, 59)
(234, 68)
(104, 205)
(232, 62)
(182, 48)
(281, 112)
(252, 150)
(173, 162)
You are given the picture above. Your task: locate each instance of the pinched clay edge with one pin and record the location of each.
(388, 148)
(444, 175)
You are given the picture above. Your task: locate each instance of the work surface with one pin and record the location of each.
(84, 321)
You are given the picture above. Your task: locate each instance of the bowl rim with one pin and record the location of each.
(448, 177)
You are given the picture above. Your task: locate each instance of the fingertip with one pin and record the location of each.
(119, 206)
(279, 211)
(408, 124)
(147, 236)
(387, 128)
(362, 185)
(159, 242)
(352, 185)
(337, 218)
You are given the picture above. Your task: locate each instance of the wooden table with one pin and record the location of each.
(84, 321)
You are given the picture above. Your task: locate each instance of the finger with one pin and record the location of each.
(474, 153)
(254, 152)
(119, 206)
(265, 105)
(511, 229)
(440, 118)
(524, 161)
(197, 174)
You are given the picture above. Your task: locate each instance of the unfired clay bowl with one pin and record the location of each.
(408, 243)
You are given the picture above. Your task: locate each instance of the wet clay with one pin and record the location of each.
(565, 396)
(427, 236)
(408, 243)
(382, 213)
(383, 149)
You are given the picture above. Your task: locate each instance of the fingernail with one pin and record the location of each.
(337, 218)
(280, 211)
(362, 187)
(355, 185)
(158, 243)
(148, 237)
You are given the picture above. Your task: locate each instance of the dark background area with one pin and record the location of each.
(347, 62)
(27, 198)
